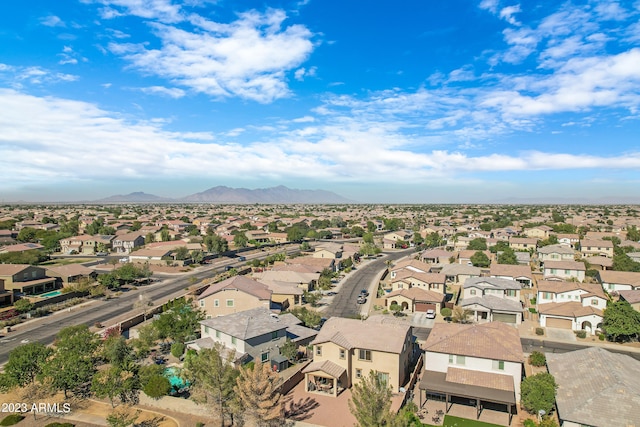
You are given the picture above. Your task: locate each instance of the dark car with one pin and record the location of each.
(364, 293)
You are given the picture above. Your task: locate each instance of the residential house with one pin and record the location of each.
(85, 244)
(346, 350)
(26, 279)
(287, 286)
(522, 243)
(599, 262)
(459, 273)
(564, 270)
(464, 256)
(318, 264)
(435, 256)
(540, 232)
(127, 243)
(568, 239)
(632, 297)
(523, 258)
(238, 293)
(20, 247)
(156, 256)
(415, 299)
(596, 388)
(519, 273)
(390, 240)
(555, 253)
(252, 335)
(259, 236)
(412, 265)
(476, 363)
(554, 291)
(573, 315)
(615, 281)
(70, 274)
(6, 297)
(596, 247)
(493, 299)
(406, 279)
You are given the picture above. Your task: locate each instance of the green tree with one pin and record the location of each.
(633, 234)
(371, 227)
(480, 259)
(23, 305)
(621, 323)
(213, 378)
(122, 417)
(180, 322)
(367, 238)
(117, 351)
(537, 358)
(500, 246)
(369, 249)
(460, 314)
(165, 236)
(257, 389)
(27, 234)
(73, 362)
(289, 350)
(240, 240)
(508, 256)
(149, 238)
(312, 298)
(622, 262)
(310, 318)
(114, 383)
(477, 244)
(109, 280)
(181, 253)
(26, 363)
(215, 243)
(370, 401)
(129, 272)
(157, 386)
(538, 392)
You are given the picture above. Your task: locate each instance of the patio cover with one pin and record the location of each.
(326, 366)
(467, 384)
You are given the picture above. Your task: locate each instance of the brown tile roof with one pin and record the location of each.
(494, 340)
(510, 270)
(241, 283)
(568, 309)
(558, 286)
(11, 269)
(423, 277)
(326, 366)
(620, 277)
(353, 333)
(418, 294)
(631, 296)
(479, 378)
(565, 265)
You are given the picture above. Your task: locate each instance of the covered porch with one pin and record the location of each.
(324, 377)
(469, 388)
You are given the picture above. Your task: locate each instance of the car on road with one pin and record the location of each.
(241, 258)
(331, 293)
(361, 299)
(364, 293)
(102, 253)
(430, 314)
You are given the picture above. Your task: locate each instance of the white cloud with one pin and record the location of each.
(301, 73)
(305, 119)
(246, 58)
(490, 5)
(508, 12)
(161, 10)
(52, 21)
(172, 92)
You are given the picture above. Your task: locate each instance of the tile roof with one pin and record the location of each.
(565, 265)
(631, 296)
(510, 270)
(596, 387)
(353, 333)
(251, 323)
(494, 303)
(326, 366)
(418, 294)
(494, 340)
(241, 283)
(620, 277)
(479, 378)
(560, 286)
(568, 309)
(491, 283)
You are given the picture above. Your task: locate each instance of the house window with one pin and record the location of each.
(342, 353)
(218, 334)
(201, 303)
(546, 295)
(216, 303)
(553, 271)
(566, 272)
(594, 302)
(472, 292)
(264, 357)
(318, 350)
(364, 355)
(229, 303)
(498, 365)
(234, 341)
(274, 335)
(358, 373)
(206, 329)
(511, 292)
(383, 377)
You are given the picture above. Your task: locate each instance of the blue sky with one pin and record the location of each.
(410, 101)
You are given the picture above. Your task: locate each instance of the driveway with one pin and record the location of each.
(419, 320)
(557, 334)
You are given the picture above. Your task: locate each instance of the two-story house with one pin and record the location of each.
(6, 297)
(596, 247)
(571, 305)
(459, 273)
(435, 256)
(127, 243)
(568, 239)
(346, 350)
(564, 270)
(256, 334)
(390, 240)
(555, 253)
(493, 299)
(475, 363)
(405, 279)
(412, 265)
(519, 273)
(235, 294)
(522, 243)
(614, 281)
(26, 279)
(539, 232)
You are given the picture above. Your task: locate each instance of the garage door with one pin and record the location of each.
(504, 317)
(558, 323)
(423, 306)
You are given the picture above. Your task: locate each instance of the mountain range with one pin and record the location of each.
(223, 194)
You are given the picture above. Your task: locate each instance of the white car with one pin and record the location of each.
(431, 314)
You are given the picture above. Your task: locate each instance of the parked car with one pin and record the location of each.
(361, 299)
(364, 293)
(431, 314)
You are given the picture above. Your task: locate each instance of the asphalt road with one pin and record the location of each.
(45, 329)
(365, 277)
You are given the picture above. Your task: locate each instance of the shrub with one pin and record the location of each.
(532, 310)
(581, 334)
(533, 302)
(157, 386)
(60, 425)
(12, 419)
(177, 349)
(601, 337)
(446, 312)
(199, 424)
(537, 359)
(539, 331)
(529, 423)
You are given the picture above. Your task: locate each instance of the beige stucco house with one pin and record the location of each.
(238, 293)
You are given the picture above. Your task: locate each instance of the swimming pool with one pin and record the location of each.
(50, 294)
(173, 375)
